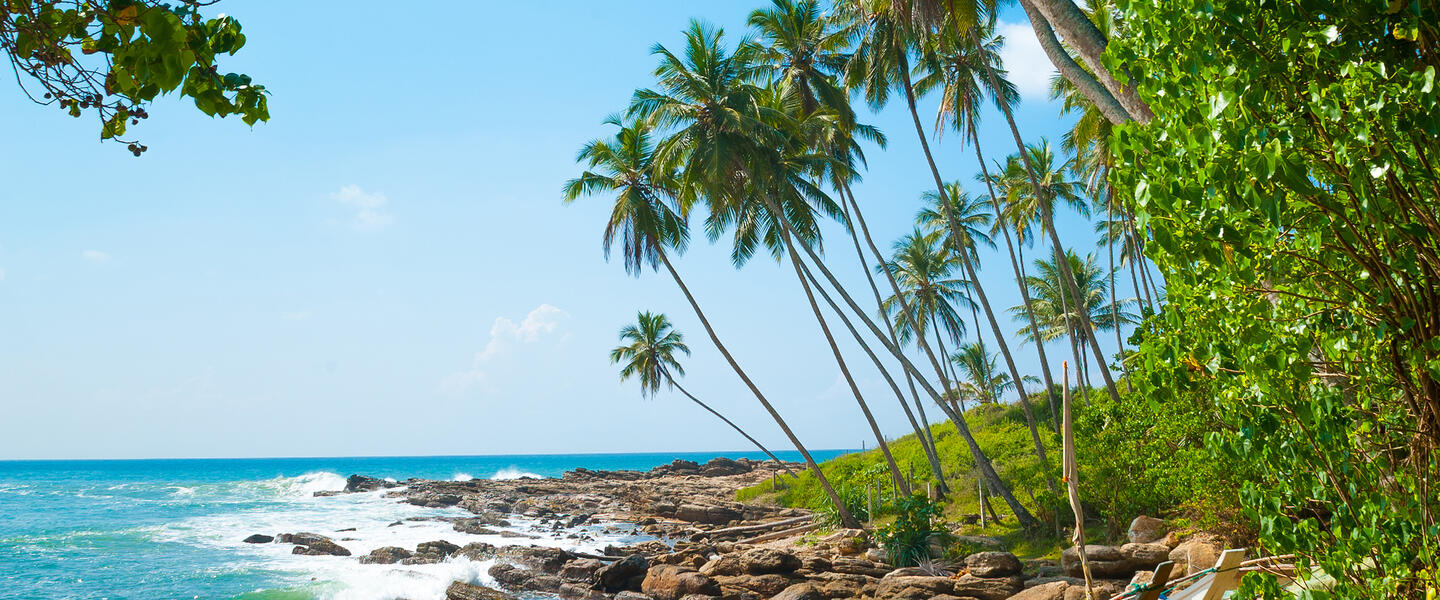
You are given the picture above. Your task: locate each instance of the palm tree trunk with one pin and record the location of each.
(1027, 520)
(732, 425)
(1049, 225)
(1015, 264)
(1035, 330)
(790, 242)
(1114, 302)
(856, 334)
(846, 518)
(927, 442)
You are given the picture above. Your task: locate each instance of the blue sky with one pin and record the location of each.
(385, 268)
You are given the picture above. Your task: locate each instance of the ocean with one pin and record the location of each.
(172, 529)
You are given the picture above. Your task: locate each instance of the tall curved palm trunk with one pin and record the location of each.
(788, 238)
(958, 234)
(846, 518)
(922, 433)
(780, 463)
(1048, 222)
(1016, 267)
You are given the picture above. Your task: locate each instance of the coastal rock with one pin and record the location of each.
(1146, 530)
(992, 564)
(323, 547)
(259, 538)
(473, 527)
(1196, 553)
(709, 515)
(1104, 561)
(988, 588)
(762, 585)
(388, 555)
(844, 585)
(1050, 590)
(722, 467)
(441, 547)
(616, 576)
(670, 582)
(460, 590)
(1104, 588)
(858, 566)
(1145, 556)
(629, 595)
(361, 483)
(300, 539)
(800, 591)
(580, 570)
(914, 587)
(576, 590)
(540, 558)
(477, 551)
(761, 561)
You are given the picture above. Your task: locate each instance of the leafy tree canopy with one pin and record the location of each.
(114, 57)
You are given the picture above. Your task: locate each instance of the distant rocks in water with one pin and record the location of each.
(431, 552)
(715, 467)
(460, 590)
(259, 538)
(312, 544)
(388, 555)
(361, 483)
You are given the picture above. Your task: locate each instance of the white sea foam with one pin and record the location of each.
(360, 522)
(462, 477)
(513, 473)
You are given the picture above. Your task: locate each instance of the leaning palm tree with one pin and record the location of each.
(1059, 316)
(648, 353)
(971, 214)
(982, 380)
(925, 269)
(880, 63)
(648, 218)
(803, 48)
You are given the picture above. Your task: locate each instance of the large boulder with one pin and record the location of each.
(303, 538)
(617, 575)
(671, 582)
(721, 466)
(388, 555)
(1145, 556)
(460, 590)
(1051, 590)
(844, 585)
(580, 570)
(992, 564)
(1104, 588)
(259, 538)
(763, 585)
(800, 591)
(323, 547)
(914, 587)
(768, 560)
(1196, 553)
(1104, 561)
(988, 588)
(546, 560)
(858, 566)
(361, 483)
(1146, 530)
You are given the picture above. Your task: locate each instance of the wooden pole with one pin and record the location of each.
(869, 504)
(980, 490)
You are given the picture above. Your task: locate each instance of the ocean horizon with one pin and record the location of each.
(174, 527)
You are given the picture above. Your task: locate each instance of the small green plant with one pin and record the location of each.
(854, 502)
(907, 539)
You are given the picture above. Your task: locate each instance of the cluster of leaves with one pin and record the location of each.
(116, 56)
(1141, 456)
(1289, 180)
(917, 523)
(855, 501)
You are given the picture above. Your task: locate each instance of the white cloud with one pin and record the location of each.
(369, 208)
(1023, 57)
(95, 256)
(505, 334)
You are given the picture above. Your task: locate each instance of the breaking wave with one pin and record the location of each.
(513, 473)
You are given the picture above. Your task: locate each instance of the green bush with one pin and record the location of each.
(906, 540)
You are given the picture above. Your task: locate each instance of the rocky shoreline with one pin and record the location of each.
(694, 542)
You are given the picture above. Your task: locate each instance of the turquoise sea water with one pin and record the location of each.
(160, 529)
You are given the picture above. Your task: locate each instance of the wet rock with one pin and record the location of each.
(473, 527)
(578, 520)
(545, 560)
(323, 547)
(580, 570)
(361, 483)
(259, 539)
(1146, 530)
(992, 564)
(477, 551)
(988, 588)
(460, 590)
(671, 582)
(300, 539)
(388, 555)
(441, 547)
(616, 576)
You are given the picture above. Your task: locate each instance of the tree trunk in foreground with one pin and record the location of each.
(846, 518)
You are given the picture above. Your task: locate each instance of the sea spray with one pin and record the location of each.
(513, 473)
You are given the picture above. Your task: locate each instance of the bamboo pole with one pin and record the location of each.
(1072, 480)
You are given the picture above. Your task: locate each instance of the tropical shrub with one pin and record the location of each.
(906, 540)
(1289, 181)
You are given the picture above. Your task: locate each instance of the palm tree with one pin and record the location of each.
(648, 352)
(804, 49)
(1061, 318)
(648, 217)
(982, 379)
(924, 267)
(969, 212)
(881, 61)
